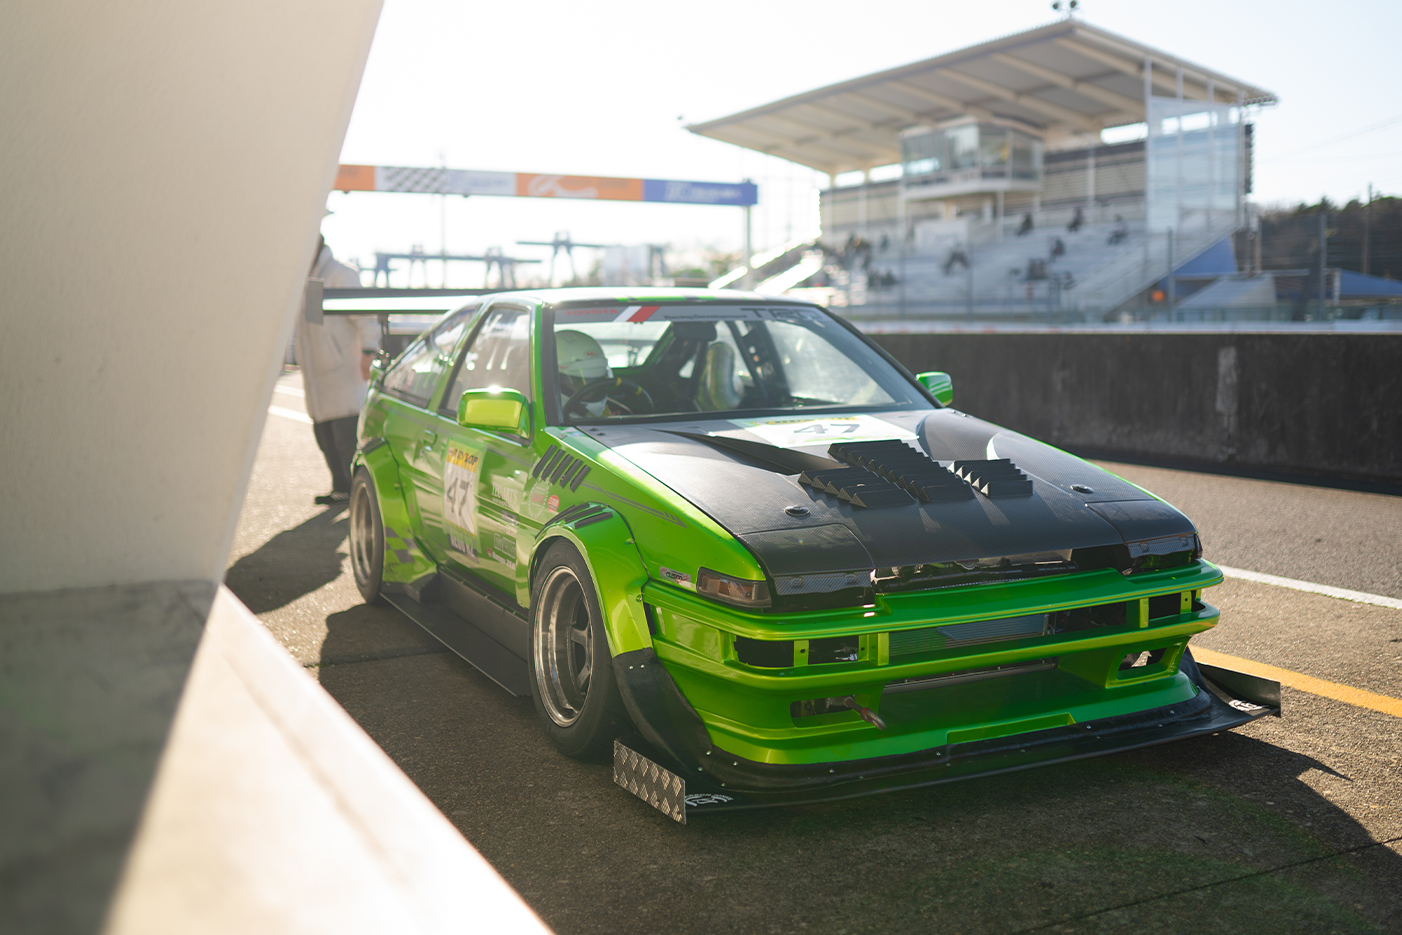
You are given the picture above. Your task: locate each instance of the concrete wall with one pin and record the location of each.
(164, 172)
(1327, 404)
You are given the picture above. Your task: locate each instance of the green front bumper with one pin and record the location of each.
(989, 690)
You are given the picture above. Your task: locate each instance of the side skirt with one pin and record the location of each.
(484, 653)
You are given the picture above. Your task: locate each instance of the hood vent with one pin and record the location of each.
(857, 485)
(999, 478)
(905, 467)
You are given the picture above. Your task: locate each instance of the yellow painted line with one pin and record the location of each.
(1301, 682)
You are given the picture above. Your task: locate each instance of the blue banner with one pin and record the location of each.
(737, 194)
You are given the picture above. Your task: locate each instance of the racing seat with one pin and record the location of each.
(717, 389)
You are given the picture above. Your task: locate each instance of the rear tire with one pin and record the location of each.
(572, 681)
(367, 538)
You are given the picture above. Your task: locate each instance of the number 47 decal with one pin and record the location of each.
(823, 428)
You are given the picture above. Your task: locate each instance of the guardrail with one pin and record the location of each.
(1131, 274)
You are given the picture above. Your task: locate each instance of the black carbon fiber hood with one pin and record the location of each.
(746, 484)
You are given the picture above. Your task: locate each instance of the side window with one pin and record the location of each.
(500, 355)
(416, 373)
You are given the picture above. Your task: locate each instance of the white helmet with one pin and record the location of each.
(580, 359)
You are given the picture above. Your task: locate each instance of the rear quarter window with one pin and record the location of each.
(415, 375)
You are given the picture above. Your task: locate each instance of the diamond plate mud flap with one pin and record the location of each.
(636, 769)
(659, 787)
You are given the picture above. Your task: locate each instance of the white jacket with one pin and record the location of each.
(329, 353)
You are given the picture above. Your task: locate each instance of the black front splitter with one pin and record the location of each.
(729, 783)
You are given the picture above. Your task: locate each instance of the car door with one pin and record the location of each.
(485, 472)
(412, 427)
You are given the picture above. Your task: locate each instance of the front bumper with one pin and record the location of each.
(762, 731)
(781, 714)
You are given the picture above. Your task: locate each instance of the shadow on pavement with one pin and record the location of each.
(366, 633)
(1214, 834)
(292, 563)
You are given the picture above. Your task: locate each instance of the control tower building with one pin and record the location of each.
(987, 188)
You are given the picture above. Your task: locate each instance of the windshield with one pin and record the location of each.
(625, 361)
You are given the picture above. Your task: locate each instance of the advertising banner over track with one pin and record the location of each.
(431, 181)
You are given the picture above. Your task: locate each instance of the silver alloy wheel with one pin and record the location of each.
(362, 534)
(563, 638)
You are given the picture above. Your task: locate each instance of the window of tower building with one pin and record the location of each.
(997, 152)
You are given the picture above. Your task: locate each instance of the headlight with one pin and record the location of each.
(738, 591)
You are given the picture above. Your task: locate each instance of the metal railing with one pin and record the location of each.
(1159, 253)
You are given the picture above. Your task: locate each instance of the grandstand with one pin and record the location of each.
(982, 183)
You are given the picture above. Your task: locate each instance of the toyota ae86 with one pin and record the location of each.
(730, 538)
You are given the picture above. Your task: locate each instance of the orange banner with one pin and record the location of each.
(533, 185)
(355, 179)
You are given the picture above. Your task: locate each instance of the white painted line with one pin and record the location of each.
(289, 390)
(292, 414)
(1361, 597)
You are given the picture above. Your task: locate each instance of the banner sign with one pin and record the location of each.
(539, 185)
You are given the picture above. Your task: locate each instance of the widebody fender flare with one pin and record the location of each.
(650, 694)
(405, 562)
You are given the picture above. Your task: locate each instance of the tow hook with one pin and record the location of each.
(866, 714)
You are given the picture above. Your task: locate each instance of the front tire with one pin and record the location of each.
(572, 681)
(367, 538)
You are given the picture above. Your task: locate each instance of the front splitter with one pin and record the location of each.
(730, 783)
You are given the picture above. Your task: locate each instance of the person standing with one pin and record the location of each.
(335, 357)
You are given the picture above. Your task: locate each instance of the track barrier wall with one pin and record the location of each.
(1320, 404)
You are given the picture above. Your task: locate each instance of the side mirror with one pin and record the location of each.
(939, 384)
(496, 408)
(378, 366)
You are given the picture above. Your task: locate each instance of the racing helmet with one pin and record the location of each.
(579, 359)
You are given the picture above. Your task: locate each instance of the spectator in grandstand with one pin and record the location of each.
(1026, 226)
(1057, 249)
(1120, 232)
(957, 256)
(1077, 221)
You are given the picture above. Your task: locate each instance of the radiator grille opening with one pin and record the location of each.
(833, 649)
(764, 654)
(969, 675)
(1087, 618)
(950, 636)
(1165, 605)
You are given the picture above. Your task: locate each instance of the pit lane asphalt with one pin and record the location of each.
(1285, 825)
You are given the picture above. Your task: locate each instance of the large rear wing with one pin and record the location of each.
(403, 313)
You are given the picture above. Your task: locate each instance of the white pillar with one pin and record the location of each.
(862, 204)
(1178, 156)
(1211, 150)
(1148, 142)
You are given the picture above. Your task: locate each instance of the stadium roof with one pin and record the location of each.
(1067, 77)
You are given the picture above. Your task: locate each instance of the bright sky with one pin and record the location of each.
(604, 89)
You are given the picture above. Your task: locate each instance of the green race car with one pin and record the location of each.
(729, 537)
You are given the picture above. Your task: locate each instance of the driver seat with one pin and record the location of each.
(717, 389)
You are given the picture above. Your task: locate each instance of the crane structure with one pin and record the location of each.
(560, 242)
(493, 258)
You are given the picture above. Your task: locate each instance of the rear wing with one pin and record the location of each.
(402, 313)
